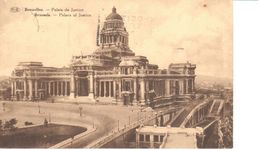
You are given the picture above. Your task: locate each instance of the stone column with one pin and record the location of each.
(137, 140)
(53, 89)
(173, 87)
(49, 92)
(181, 87)
(46, 88)
(36, 89)
(91, 91)
(109, 88)
(30, 90)
(187, 86)
(72, 86)
(119, 89)
(105, 88)
(192, 85)
(66, 88)
(25, 90)
(15, 88)
(114, 91)
(12, 89)
(77, 86)
(114, 88)
(58, 88)
(142, 89)
(199, 115)
(135, 93)
(99, 91)
(151, 141)
(167, 87)
(62, 88)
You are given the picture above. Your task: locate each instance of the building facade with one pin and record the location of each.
(111, 73)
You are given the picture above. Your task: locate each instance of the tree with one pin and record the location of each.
(10, 124)
(7, 125)
(1, 125)
(13, 121)
(45, 123)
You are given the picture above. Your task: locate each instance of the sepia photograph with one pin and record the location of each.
(116, 74)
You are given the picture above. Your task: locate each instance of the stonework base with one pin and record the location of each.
(142, 102)
(91, 95)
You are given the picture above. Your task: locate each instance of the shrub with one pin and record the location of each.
(28, 123)
(10, 124)
(45, 123)
(1, 125)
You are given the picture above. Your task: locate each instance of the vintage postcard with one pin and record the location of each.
(116, 74)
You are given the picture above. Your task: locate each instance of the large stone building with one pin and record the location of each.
(113, 73)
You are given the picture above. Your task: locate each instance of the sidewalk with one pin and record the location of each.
(70, 141)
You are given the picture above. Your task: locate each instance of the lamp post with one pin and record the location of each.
(118, 125)
(80, 110)
(39, 107)
(3, 106)
(49, 117)
(138, 116)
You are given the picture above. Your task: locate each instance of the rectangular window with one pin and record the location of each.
(177, 88)
(147, 138)
(161, 138)
(141, 137)
(112, 88)
(156, 138)
(184, 86)
(126, 71)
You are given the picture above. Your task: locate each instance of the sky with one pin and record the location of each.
(165, 31)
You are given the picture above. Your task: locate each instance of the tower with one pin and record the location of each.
(113, 37)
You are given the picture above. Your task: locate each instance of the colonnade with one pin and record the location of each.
(59, 88)
(31, 89)
(106, 88)
(36, 88)
(179, 86)
(113, 39)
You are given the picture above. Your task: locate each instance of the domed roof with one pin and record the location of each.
(114, 15)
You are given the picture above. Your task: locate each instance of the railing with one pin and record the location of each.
(113, 135)
(48, 73)
(164, 140)
(69, 141)
(153, 71)
(106, 72)
(192, 112)
(104, 140)
(142, 72)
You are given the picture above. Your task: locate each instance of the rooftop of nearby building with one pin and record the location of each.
(180, 140)
(176, 137)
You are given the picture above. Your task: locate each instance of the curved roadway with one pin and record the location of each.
(103, 117)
